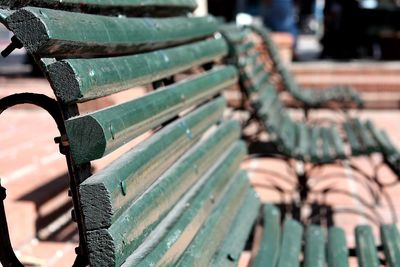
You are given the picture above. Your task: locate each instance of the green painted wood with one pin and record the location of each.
(291, 244)
(337, 251)
(356, 147)
(391, 244)
(315, 147)
(268, 253)
(364, 136)
(235, 35)
(337, 142)
(367, 255)
(259, 81)
(301, 150)
(249, 60)
(128, 7)
(314, 255)
(310, 98)
(229, 252)
(204, 246)
(326, 145)
(43, 32)
(136, 223)
(141, 166)
(243, 48)
(98, 133)
(379, 137)
(193, 227)
(78, 80)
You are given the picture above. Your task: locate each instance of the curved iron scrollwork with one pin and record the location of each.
(7, 255)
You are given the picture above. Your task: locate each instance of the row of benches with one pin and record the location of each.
(179, 196)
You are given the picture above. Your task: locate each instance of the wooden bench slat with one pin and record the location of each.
(391, 244)
(268, 253)
(44, 32)
(356, 147)
(327, 154)
(364, 135)
(249, 60)
(243, 48)
(232, 247)
(337, 248)
(291, 244)
(259, 81)
(142, 165)
(365, 247)
(96, 134)
(315, 148)
(288, 134)
(204, 246)
(128, 7)
(384, 142)
(303, 141)
(134, 225)
(314, 255)
(195, 223)
(337, 142)
(79, 80)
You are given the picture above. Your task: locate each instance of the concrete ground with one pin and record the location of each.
(34, 174)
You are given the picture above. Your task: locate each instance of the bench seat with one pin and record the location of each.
(292, 244)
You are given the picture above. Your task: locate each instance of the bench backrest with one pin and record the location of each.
(181, 185)
(257, 88)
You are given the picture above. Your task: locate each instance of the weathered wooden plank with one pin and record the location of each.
(78, 80)
(337, 252)
(188, 234)
(140, 167)
(314, 255)
(43, 32)
(337, 142)
(301, 150)
(137, 222)
(96, 134)
(208, 240)
(315, 148)
(365, 137)
(367, 255)
(327, 146)
(234, 34)
(379, 137)
(291, 244)
(249, 60)
(127, 7)
(232, 247)
(391, 244)
(243, 48)
(268, 253)
(356, 147)
(259, 81)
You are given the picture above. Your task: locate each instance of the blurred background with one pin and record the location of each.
(337, 29)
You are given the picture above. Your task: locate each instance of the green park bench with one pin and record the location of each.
(297, 139)
(344, 96)
(284, 243)
(178, 197)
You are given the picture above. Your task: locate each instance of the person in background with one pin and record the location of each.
(280, 15)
